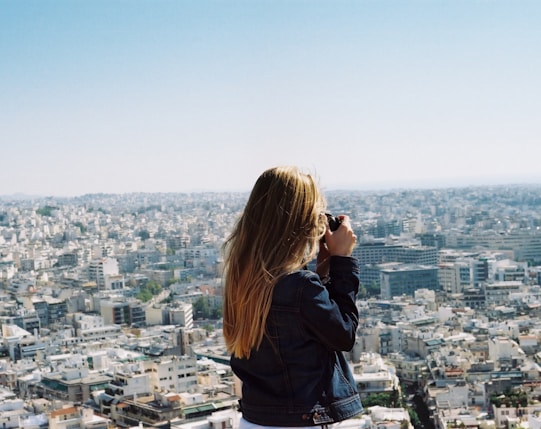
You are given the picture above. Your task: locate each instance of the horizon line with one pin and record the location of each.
(373, 188)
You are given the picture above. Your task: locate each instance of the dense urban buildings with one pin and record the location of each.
(110, 309)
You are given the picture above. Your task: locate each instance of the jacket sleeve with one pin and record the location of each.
(329, 312)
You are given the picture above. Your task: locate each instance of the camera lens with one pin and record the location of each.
(333, 221)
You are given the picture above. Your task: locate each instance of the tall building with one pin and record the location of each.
(375, 255)
(406, 279)
(123, 313)
(99, 269)
(454, 277)
(181, 314)
(479, 271)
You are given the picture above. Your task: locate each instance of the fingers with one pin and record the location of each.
(342, 241)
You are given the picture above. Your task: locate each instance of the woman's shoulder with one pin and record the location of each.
(300, 277)
(293, 284)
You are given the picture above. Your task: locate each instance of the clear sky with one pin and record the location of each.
(171, 96)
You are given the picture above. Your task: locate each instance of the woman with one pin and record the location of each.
(284, 327)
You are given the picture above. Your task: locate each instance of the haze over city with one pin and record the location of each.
(182, 96)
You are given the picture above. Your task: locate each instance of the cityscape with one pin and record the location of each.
(110, 309)
(131, 133)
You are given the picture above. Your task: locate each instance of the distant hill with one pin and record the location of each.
(19, 197)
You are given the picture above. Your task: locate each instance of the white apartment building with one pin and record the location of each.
(7, 270)
(504, 351)
(76, 417)
(382, 339)
(447, 401)
(182, 315)
(154, 314)
(408, 368)
(100, 333)
(93, 328)
(172, 373)
(82, 322)
(449, 276)
(372, 375)
(12, 411)
(129, 381)
(99, 269)
(514, 417)
(498, 293)
(114, 282)
(509, 270)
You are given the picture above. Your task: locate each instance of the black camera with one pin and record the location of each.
(333, 221)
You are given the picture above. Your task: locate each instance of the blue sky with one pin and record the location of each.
(172, 96)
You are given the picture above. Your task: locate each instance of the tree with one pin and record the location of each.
(202, 309)
(144, 295)
(217, 313)
(363, 293)
(143, 234)
(414, 418)
(154, 287)
(382, 399)
(516, 398)
(367, 291)
(150, 289)
(172, 281)
(46, 210)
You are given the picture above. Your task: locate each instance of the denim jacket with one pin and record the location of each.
(299, 376)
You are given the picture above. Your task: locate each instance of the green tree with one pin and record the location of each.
(383, 399)
(144, 295)
(514, 399)
(394, 398)
(46, 210)
(201, 308)
(374, 289)
(217, 313)
(154, 287)
(172, 281)
(363, 293)
(414, 418)
(150, 289)
(143, 234)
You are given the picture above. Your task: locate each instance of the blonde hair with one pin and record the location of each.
(277, 233)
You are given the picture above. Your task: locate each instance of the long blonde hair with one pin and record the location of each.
(277, 233)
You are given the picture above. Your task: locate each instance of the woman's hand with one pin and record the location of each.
(342, 241)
